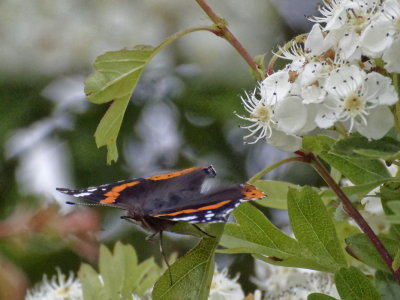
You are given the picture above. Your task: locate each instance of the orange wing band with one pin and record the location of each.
(115, 192)
(189, 211)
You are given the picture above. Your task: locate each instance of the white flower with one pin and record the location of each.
(361, 98)
(382, 35)
(58, 288)
(275, 113)
(223, 288)
(291, 283)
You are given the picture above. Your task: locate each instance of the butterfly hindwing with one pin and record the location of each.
(214, 207)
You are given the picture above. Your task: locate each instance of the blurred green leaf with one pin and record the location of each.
(276, 192)
(192, 273)
(387, 286)
(318, 144)
(385, 148)
(319, 296)
(92, 288)
(352, 284)
(361, 248)
(390, 192)
(314, 228)
(120, 273)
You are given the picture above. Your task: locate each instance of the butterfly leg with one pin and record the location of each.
(165, 257)
(202, 231)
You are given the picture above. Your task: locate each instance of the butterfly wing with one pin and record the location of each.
(214, 207)
(144, 195)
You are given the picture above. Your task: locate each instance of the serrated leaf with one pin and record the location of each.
(352, 284)
(255, 234)
(361, 248)
(396, 260)
(314, 228)
(192, 273)
(389, 192)
(355, 192)
(120, 274)
(387, 286)
(385, 148)
(317, 144)
(92, 288)
(358, 170)
(319, 296)
(117, 74)
(276, 192)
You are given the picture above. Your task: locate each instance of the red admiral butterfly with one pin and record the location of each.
(158, 202)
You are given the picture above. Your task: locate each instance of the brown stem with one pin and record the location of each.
(224, 32)
(352, 211)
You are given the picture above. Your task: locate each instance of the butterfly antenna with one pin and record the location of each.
(165, 257)
(86, 204)
(203, 232)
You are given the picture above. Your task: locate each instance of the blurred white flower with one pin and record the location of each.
(59, 287)
(224, 288)
(284, 283)
(382, 36)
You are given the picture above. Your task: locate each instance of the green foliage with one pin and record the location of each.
(352, 284)
(116, 76)
(361, 248)
(390, 196)
(276, 192)
(357, 168)
(387, 286)
(121, 275)
(192, 273)
(318, 296)
(316, 247)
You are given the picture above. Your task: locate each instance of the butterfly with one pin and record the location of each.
(157, 202)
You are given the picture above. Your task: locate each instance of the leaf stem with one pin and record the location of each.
(224, 32)
(352, 211)
(271, 167)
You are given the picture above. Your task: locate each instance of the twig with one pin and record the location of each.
(352, 211)
(223, 31)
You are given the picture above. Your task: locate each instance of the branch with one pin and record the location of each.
(223, 31)
(352, 211)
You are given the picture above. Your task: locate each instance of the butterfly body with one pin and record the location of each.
(158, 202)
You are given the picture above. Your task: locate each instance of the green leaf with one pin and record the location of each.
(318, 144)
(255, 234)
(355, 192)
(116, 76)
(394, 206)
(358, 170)
(352, 284)
(390, 192)
(387, 286)
(92, 288)
(319, 296)
(396, 260)
(192, 273)
(314, 228)
(276, 192)
(361, 248)
(121, 275)
(385, 148)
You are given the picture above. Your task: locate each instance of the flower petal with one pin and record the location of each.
(379, 121)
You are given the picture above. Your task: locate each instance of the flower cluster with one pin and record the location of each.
(338, 75)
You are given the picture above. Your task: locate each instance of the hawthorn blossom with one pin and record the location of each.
(224, 288)
(361, 98)
(382, 36)
(275, 113)
(292, 283)
(59, 287)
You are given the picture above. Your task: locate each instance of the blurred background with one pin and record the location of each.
(181, 115)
